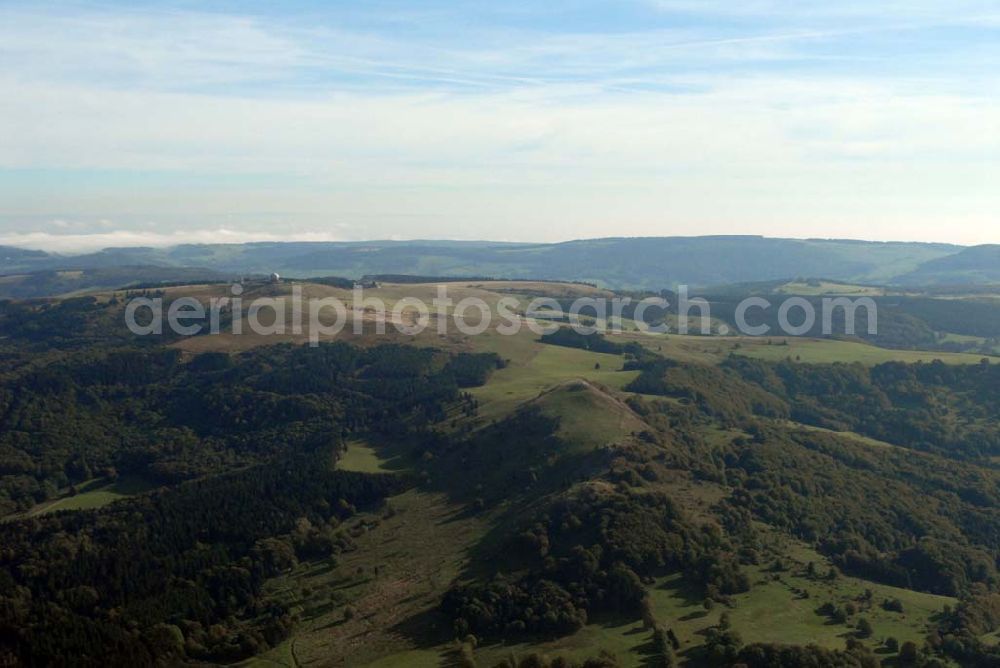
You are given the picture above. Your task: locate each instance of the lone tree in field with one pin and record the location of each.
(908, 653)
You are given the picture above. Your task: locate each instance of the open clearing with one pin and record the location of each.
(360, 457)
(92, 494)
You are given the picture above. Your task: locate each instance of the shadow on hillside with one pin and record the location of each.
(425, 629)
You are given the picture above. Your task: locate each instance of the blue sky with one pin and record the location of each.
(158, 123)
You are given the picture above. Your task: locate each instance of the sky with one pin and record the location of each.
(154, 123)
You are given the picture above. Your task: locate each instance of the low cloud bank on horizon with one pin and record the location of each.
(83, 243)
(455, 120)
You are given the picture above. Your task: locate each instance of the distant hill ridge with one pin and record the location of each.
(618, 262)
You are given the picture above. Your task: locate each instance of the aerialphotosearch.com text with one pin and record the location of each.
(319, 318)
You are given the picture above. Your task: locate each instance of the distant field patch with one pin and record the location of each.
(815, 288)
(826, 351)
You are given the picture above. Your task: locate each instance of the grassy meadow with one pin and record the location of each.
(92, 494)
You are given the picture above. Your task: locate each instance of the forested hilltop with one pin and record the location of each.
(432, 499)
